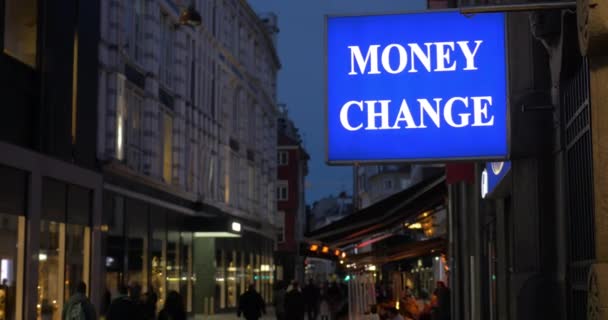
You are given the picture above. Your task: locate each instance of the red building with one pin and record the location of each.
(292, 166)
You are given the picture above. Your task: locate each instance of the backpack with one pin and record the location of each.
(75, 312)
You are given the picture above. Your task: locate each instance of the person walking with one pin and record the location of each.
(251, 304)
(294, 303)
(78, 306)
(151, 298)
(122, 307)
(173, 308)
(312, 296)
(279, 300)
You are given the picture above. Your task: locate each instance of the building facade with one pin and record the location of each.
(374, 183)
(187, 139)
(292, 167)
(50, 189)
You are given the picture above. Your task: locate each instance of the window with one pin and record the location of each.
(167, 146)
(20, 25)
(404, 183)
(281, 226)
(282, 190)
(134, 112)
(129, 131)
(134, 30)
(388, 184)
(283, 158)
(167, 34)
(252, 184)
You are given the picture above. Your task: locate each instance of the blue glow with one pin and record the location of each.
(443, 142)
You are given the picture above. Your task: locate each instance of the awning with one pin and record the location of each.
(386, 214)
(409, 250)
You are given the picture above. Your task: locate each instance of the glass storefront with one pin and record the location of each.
(12, 242)
(12, 231)
(64, 252)
(145, 245)
(240, 263)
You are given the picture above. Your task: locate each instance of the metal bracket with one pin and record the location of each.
(519, 7)
(525, 108)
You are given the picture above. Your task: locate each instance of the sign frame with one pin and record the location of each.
(508, 119)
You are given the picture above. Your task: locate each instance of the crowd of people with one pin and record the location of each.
(424, 307)
(128, 304)
(293, 302)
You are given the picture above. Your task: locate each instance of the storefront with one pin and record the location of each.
(47, 213)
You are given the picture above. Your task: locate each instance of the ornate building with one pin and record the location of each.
(187, 126)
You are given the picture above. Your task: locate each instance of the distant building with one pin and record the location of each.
(328, 210)
(292, 160)
(374, 183)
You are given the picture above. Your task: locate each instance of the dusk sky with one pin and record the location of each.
(301, 79)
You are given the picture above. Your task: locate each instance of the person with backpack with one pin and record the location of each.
(123, 307)
(78, 307)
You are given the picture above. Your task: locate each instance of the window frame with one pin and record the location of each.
(283, 159)
(282, 186)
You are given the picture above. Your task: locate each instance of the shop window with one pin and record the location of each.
(173, 260)
(64, 254)
(115, 244)
(137, 243)
(232, 294)
(12, 231)
(20, 30)
(158, 254)
(186, 269)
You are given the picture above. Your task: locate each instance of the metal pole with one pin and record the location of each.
(519, 7)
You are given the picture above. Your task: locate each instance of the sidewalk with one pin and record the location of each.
(232, 316)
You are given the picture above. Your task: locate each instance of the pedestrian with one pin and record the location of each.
(324, 307)
(279, 300)
(294, 303)
(138, 303)
(393, 314)
(78, 306)
(151, 298)
(251, 304)
(441, 308)
(311, 298)
(122, 307)
(173, 308)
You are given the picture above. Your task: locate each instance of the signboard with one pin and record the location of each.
(492, 175)
(416, 87)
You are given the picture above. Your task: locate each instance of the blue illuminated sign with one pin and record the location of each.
(492, 175)
(416, 87)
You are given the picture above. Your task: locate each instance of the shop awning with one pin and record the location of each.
(408, 250)
(386, 214)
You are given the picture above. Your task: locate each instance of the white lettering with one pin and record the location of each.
(470, 56)
(371, 57)
(447, 113)
(443, 56)
(372, 115)
(386, 58)
(424, 58)
(481, 109)
(344, 115)
(405, 115)
(425, 107)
